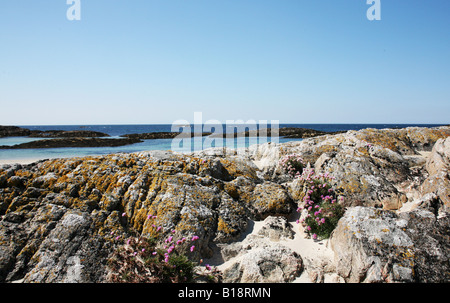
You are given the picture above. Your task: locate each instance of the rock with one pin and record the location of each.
(430, 235)
(439, 158)
(261, 261)
(430, 202)
(13, 131)
(73, 142)
(260, 257)
(286, 132)
(69, 253)
(101, 200)
(438, 167)
(232, 219)
(44, 181)
(60, 220)
(298, 132)
(276, 228)
(270, 199)
(17, 181)
(371, 167)
(373, 245)
(67, 134)
(165, 135)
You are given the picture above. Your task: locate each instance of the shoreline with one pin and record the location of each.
(23, 161)
(224, 199)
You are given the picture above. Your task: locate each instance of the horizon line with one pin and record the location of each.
(297, 123)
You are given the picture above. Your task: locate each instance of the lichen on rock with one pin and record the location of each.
(61, 219)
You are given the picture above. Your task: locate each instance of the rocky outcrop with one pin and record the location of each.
(61, 219)
(286, 132)
(67, 134)
(264, 263)
(74, 142)
(438, 167)
(260, 258)
(165, 135)
(298, 132)
(373, 245)
(15, 131)
(379, 168)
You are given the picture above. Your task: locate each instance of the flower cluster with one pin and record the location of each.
(145, 260)
(292, 164)
(320, 203)
(170, 241)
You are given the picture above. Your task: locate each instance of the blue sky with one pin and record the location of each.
(157, 61)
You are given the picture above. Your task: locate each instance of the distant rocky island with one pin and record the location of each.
(85, 138)
(164, 135)
(15, 131)
(74, 142)
(62, 220)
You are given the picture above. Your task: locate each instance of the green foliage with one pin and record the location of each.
(321, 204)
(292, 164)
(140, 260)
(181, 267)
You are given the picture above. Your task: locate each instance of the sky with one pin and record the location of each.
(158, 61)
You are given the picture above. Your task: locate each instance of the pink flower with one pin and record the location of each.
(195, 238)
(314, 236)
(124, 214)
(208, 267)
(192, 248)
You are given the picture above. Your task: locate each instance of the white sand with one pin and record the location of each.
(19, 161)
(308, 249)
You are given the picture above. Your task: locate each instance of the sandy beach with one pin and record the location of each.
(19, 161)
(307, 248)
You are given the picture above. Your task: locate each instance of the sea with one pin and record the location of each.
(115, 131)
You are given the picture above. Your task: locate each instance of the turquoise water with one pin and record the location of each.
(147, 145)
(157, 144)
